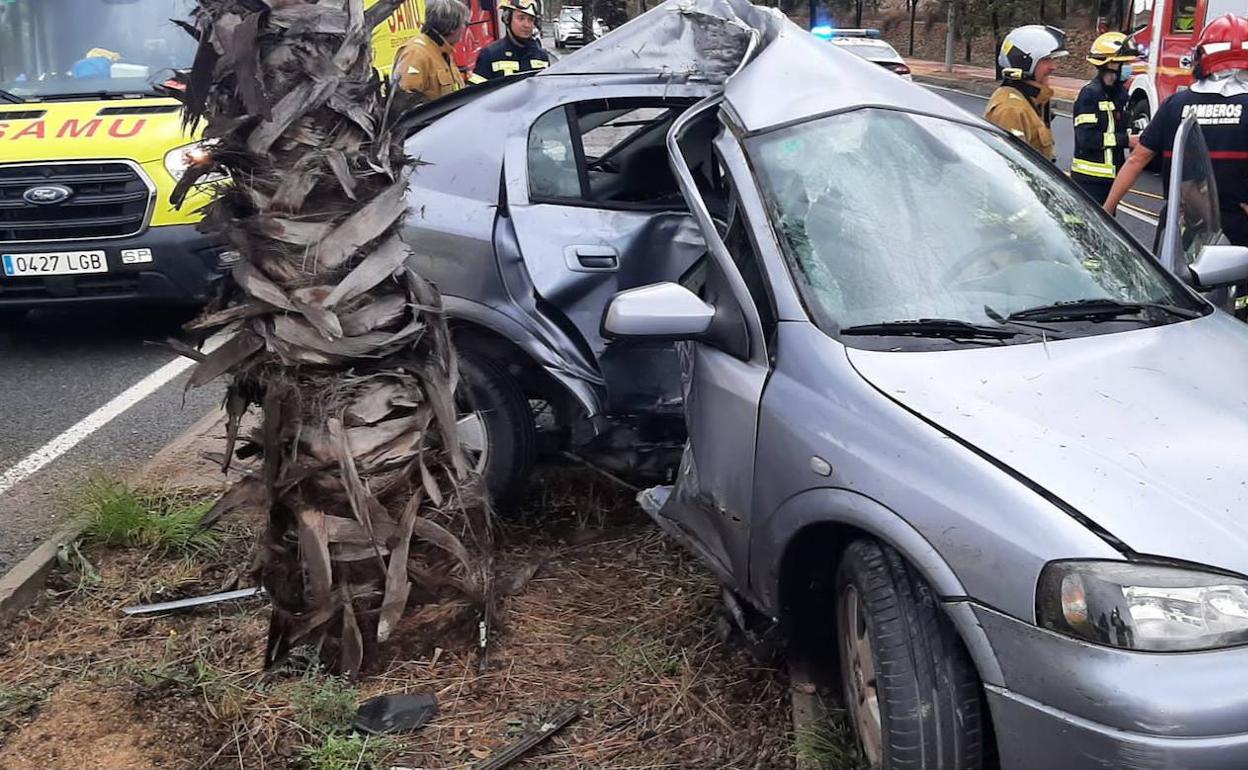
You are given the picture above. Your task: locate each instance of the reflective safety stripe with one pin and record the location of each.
(1106, 106)
(1088, 168)
(1086, 118)
(507, 67)
(538, 64)
(475, 78)
(1111, 138)
(1018, 133)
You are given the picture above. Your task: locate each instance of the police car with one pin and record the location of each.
(867, 44)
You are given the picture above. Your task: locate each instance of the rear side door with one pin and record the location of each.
(596, 210)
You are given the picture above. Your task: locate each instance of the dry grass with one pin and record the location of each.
(616, 618)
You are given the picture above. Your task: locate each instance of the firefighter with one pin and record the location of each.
(520, 50)
(1101, 137)
(426, 63)
(1022, 103)
(1219, 100)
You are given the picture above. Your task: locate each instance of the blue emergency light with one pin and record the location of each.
(828, 32)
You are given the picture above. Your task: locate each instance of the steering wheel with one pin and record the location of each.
(953, 273)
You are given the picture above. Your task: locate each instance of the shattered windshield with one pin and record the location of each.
(888, 216)
(64, 48)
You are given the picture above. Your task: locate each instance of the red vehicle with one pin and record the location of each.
(1166, 31)
(483, 27)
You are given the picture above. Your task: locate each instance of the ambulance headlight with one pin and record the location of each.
(181, 159)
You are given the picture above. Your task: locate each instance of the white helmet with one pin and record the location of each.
(1024, 47)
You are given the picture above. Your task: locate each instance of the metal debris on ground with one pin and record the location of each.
(399, 713)
(521, 747)
(193, 601)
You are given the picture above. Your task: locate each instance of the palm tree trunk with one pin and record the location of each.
(340, 343)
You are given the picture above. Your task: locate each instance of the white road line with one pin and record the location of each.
(1132, 211)
(38, 459)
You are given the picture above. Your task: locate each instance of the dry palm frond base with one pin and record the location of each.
(615, 617)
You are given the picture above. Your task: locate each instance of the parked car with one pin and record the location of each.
(868, 44)
(951, 433)
(569, 30)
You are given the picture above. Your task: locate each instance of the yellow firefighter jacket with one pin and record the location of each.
(427, 64)
(1024, 110)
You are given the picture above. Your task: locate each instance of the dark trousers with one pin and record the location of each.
(1235, 226)
(1094, 186)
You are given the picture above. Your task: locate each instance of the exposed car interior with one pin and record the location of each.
(611, 153)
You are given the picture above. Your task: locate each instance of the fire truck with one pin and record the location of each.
(1166, 32)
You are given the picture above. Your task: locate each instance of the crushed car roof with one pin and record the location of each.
(707, 41)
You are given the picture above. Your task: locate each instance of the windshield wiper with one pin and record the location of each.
(1100, 309)
(947, 328)
(5, 96)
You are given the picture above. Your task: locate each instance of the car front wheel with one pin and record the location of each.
(496, 430)
(911, 691)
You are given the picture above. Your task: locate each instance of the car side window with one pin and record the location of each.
(552, 158)
(1183, 17)
(609, 153)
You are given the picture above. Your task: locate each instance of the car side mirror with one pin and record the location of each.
(1219, 266)
(661, 310)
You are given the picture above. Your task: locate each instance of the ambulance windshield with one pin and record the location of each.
(68, 49)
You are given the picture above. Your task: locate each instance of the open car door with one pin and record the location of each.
(1193, 220)
(1191, 243)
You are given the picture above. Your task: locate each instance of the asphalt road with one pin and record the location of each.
(58, 369)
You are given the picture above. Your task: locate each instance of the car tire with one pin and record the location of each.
(911, 691)
(11, 317)
(1135, 112)
(497, 430)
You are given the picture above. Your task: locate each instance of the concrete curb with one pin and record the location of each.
(808, 709)
(20, 586)
(978, 87)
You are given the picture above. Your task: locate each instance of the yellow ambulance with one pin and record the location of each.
(90, 150)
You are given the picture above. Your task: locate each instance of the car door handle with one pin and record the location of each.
(591, 258)
(1185, 62)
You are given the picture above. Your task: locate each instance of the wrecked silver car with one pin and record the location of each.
(950, 433)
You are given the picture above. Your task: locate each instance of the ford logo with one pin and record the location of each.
(47, 195)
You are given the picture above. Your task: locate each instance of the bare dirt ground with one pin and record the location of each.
(615, 618)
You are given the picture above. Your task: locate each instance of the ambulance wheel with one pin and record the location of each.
(11, 317)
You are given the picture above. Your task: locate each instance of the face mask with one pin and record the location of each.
(1125, 74)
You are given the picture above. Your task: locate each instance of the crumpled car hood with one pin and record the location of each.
(1144, 432)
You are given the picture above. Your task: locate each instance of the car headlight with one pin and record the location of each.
(1137, 606)
(179, 159)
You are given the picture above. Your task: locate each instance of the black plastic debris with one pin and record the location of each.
(395, 713)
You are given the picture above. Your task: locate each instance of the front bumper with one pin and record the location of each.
(1064, 703)
(184, 270)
